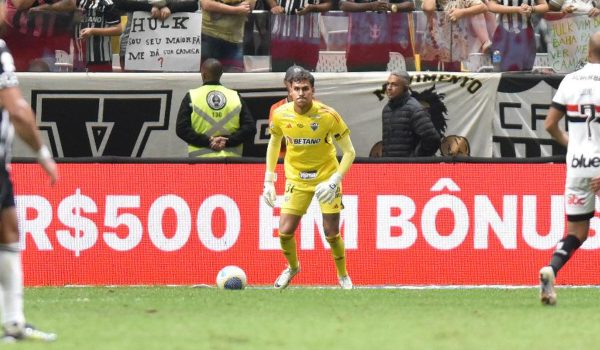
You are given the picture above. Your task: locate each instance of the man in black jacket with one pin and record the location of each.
(407, 127)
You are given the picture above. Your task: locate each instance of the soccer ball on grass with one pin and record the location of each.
(231, 277)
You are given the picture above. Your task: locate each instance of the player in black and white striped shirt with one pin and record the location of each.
(15, 115)
(100, 20)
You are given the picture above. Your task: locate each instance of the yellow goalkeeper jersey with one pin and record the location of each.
(310, 157)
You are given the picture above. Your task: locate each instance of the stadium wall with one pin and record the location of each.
(168, 222)
(134, 114)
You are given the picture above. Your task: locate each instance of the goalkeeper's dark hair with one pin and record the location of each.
(290, 72)
(302, 75)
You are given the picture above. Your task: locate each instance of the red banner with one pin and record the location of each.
(404, 224)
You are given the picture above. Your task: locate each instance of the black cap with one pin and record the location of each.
(289, 73)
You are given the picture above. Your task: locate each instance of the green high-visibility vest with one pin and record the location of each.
(216, 112)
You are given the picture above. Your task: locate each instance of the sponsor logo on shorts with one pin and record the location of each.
(576, 201)
(308, 175)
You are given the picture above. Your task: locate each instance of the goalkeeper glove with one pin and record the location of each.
(269, 194)
(326, 190)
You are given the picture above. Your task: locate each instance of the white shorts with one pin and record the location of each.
(580, 201)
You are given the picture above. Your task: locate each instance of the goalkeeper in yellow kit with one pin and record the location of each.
(311, 169)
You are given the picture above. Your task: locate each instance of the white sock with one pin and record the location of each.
(11, 284)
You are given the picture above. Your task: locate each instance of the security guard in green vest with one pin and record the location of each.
(212, 119)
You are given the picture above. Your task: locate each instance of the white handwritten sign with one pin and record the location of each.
(568, 41)
(169, 46)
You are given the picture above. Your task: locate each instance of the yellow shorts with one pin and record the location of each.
(298, 196)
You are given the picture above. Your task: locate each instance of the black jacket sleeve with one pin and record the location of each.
(184, 129)
(428, 137)
(247, 128)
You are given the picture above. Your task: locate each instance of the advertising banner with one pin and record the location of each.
(163, 224)
(522, 103)
(460, 104)
(134, 115)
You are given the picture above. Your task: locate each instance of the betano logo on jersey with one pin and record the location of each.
(306, 141)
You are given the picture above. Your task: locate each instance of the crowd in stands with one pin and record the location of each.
(271, 35)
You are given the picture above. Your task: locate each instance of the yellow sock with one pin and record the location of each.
(288, 246)
(339, 254)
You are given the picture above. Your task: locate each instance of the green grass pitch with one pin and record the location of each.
(307, 318)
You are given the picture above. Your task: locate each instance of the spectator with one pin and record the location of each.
(213, 119)
(311, 170)
(540, 31)
(514, 37)
(161, 9)
(16, 116)
(373, 33)
(257, 45)
(38, 65)
(295, 34)
(448, 39)
(35, 29)
(407, 127)
(223, 31)
(591, 7)
(100, 21)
